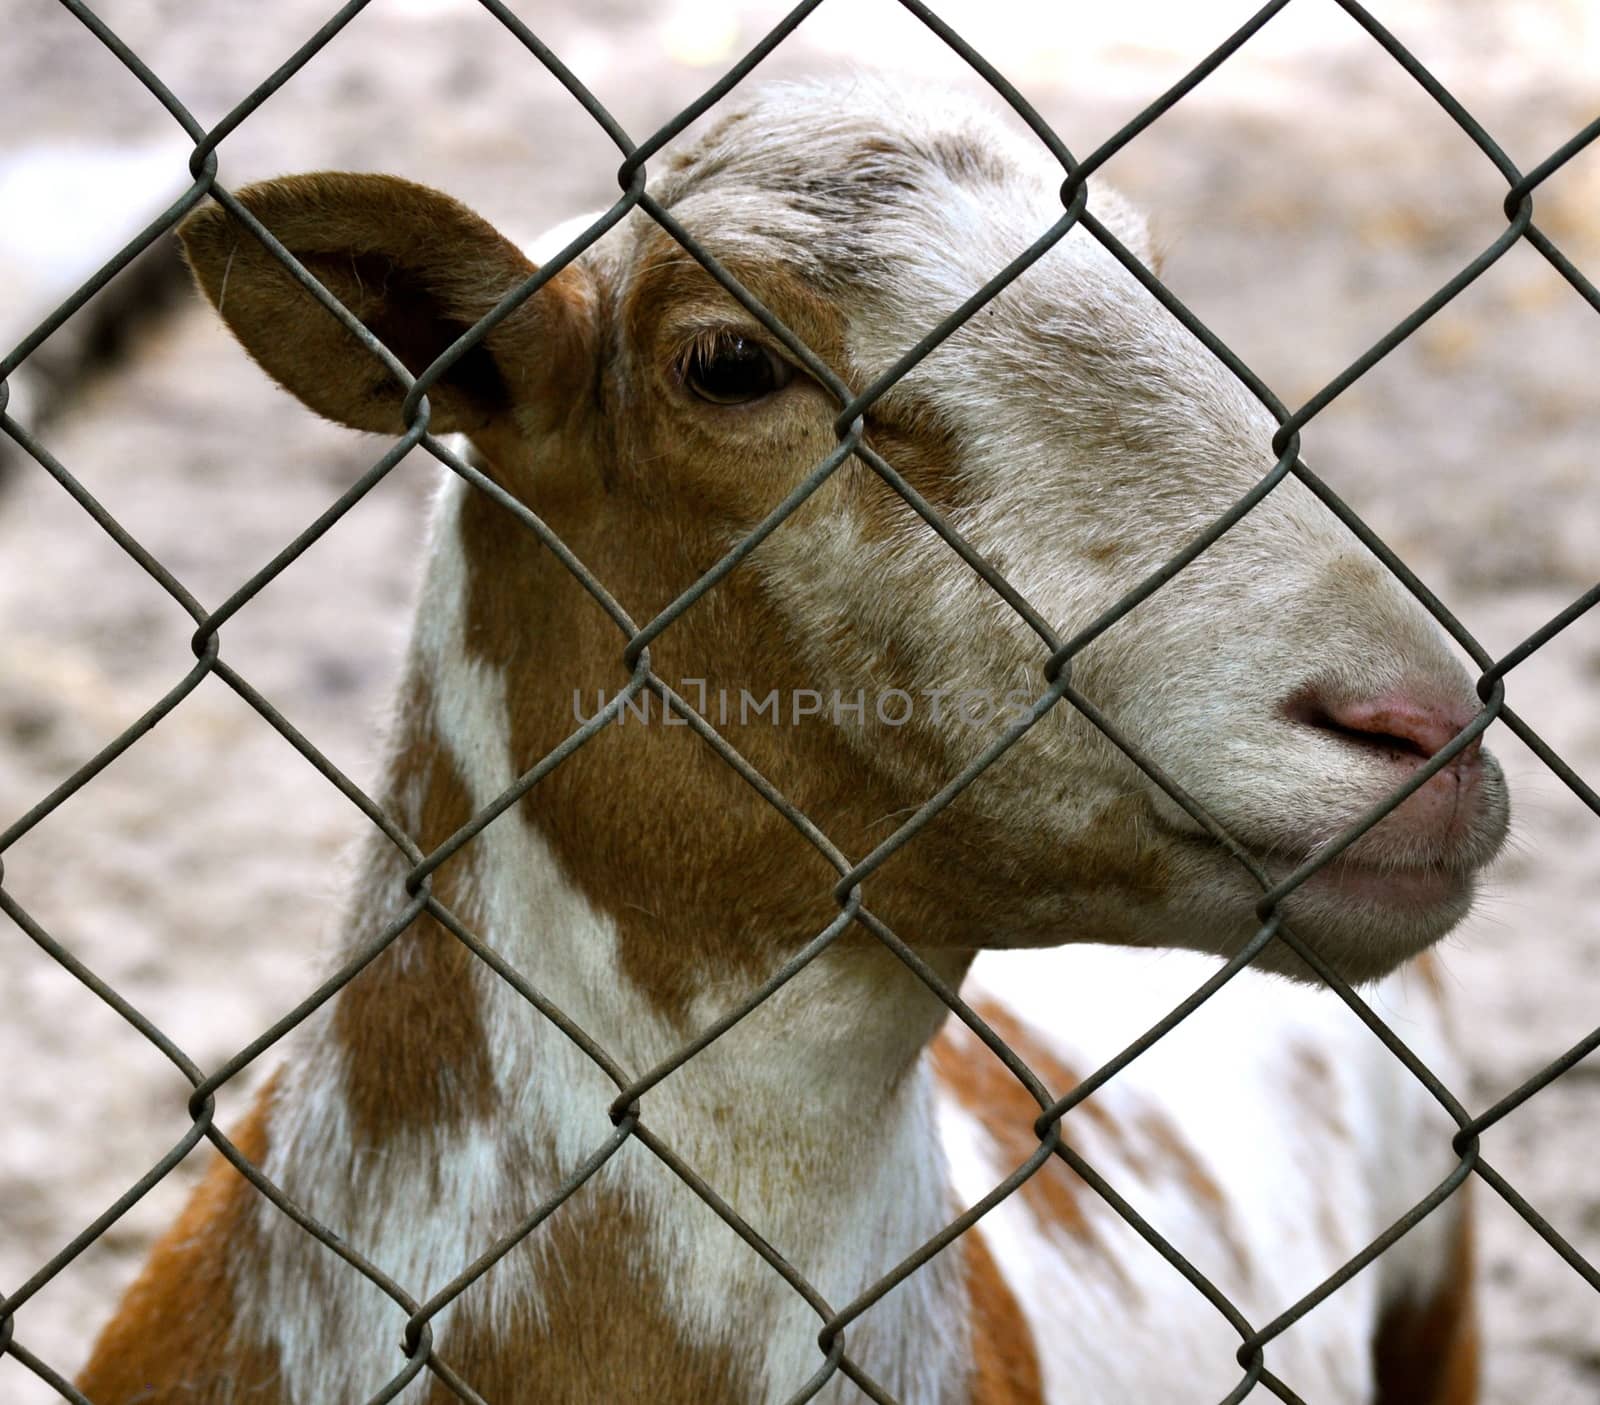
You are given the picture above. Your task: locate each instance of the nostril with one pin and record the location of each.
(1401, 724)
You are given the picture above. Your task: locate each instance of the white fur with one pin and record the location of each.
(1294, 1161)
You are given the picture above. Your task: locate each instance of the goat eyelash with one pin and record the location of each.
(725, 366)
(710, 342)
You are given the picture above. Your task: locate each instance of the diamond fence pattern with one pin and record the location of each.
(629, 1110)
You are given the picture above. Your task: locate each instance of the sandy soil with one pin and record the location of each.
(1308, 196)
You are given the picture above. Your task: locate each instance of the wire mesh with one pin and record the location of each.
(629, 1110)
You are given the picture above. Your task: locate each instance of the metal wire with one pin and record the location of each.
(630, 1105)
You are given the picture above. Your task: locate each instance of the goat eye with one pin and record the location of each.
(733, 370)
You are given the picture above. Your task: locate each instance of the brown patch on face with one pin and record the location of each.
(605, 1327)
(175, 1335)
(1005, 1361)
(702, 879)
(924, 450)
(1426, 1352)
(411, 1024)
(666, 279)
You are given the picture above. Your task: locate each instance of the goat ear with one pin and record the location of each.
(418, 269)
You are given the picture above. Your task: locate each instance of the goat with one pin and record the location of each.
(1077, 435)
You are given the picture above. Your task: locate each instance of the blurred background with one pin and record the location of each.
(1307, 197)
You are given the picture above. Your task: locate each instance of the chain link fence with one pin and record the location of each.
(630, 1109)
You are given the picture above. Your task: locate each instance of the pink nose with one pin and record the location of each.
(1400, 723)
(1368, 747)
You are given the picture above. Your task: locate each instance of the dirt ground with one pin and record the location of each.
(1308, 196)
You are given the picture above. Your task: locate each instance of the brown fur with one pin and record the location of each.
(1427, 1352)
(924, 451)
(1150, 1147)
(988, 1090)
(1005, 1361)
(603, 1324)
(411, 1027)
(615, 854)
(411, 1024)
(176, 1335)
(394, 254)
(1117, 849)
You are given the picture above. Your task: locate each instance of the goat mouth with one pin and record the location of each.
(1430, 892)
(1415, 888)
(1353, 873)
